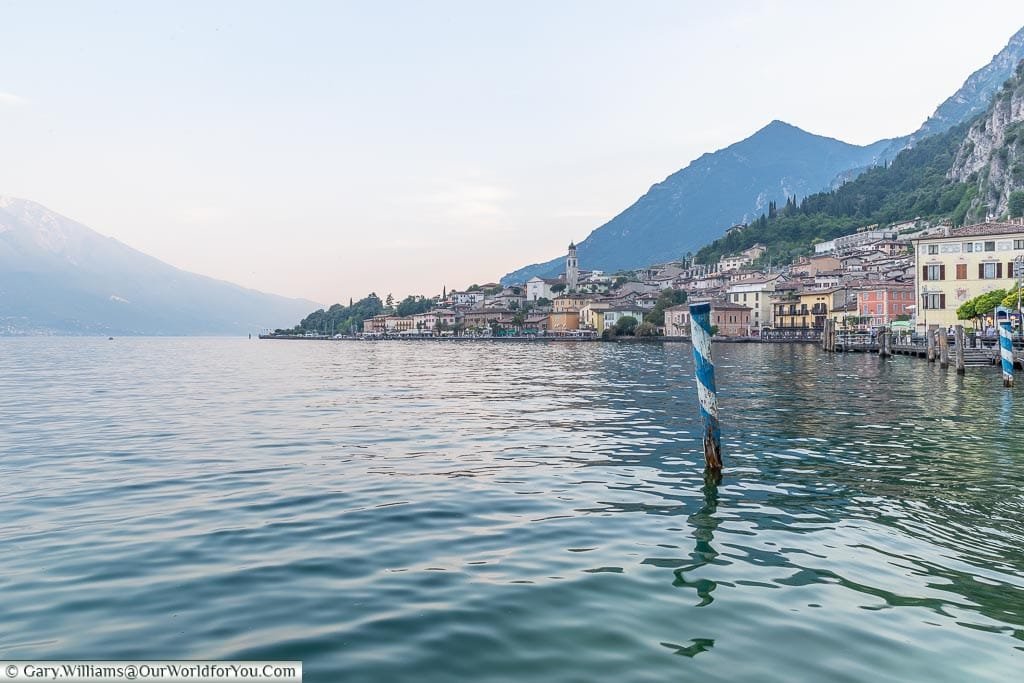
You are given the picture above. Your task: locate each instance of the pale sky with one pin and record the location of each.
(327, 149)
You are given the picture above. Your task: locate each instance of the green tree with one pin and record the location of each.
(341, 319)
(411, 305)
(981, 305)
(1010, 300)
(1016, 204)
(626, 326)
(646, 329)
(667, 299)
(966, 311)
(556, 289)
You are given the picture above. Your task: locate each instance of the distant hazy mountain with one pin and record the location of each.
(693, 206)
(58, 276)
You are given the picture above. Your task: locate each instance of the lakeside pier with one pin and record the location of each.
(981, 353)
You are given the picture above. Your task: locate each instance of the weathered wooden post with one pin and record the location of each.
(1006, 353)
(704, 368)
(930, 336)
(943, 348)
(883, 342)
(961, 339)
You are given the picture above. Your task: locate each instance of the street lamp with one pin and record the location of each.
(1018, 268)
(924, 306)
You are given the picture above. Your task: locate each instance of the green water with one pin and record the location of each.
(506, 512)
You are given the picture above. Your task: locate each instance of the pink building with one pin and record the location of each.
(882, 303)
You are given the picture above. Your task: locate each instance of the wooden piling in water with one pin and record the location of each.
(828, 342)
(883, 342)
(930, 337)
(704, 368)
(943, 348)
(961, 340)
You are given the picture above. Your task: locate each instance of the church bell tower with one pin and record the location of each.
(572, 269)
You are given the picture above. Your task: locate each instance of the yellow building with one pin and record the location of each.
(570, 302)
(959, 264)
(802, 310)
(592, 316)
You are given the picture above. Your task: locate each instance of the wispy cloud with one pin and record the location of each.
(11, 99)
(467, 200)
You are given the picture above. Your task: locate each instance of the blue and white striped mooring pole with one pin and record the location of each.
(704, 367)
(1006, 353)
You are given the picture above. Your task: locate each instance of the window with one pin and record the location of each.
(990, 246)
(878, 309)
(933, 249)
(968, 247)
(961, 271)
(990, 271)
(934, 301)
(1018, 244)
(933, 272)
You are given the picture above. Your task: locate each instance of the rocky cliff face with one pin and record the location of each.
(974, 95)
(991, 157)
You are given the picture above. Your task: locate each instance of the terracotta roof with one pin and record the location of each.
(979, 229)
(719, 305)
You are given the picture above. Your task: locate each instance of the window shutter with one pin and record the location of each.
(942, 272)
(981, 271)
(1009, 269)
(924, 272)
(942, 300)
(999, 270)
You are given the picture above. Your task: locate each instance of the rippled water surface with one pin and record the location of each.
(410, 511)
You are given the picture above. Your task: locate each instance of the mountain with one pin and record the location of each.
(991, 158)
(694, 205)
(914, 186)
(976, 93)
(60, 277)
(968, 173)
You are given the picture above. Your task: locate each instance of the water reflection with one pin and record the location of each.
(481, 512)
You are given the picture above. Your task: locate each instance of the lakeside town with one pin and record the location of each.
(907, 277)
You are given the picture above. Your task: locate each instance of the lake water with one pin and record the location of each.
(410, 511)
